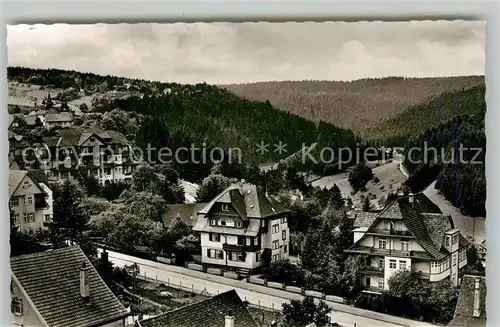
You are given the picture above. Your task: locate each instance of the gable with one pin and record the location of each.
(90, 139)
(26, 186)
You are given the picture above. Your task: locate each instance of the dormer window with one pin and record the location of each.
(225, 207)
(238, 224)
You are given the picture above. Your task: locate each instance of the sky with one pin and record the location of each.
(225, 53)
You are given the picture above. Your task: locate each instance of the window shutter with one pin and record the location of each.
(208, 253)
(210, 237)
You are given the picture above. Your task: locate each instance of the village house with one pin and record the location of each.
(410, 233)
(107, 155)
(60, 288)
(58, 119)
(241, 227)
(16, 122)
(471, 305)
(29, 200)
(223, 310)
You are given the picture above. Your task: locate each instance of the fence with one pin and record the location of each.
(264, 313)
(192, 290)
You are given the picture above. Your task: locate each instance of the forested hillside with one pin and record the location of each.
(358, 105)
(416, 119)
(460, 173)
(180, 115)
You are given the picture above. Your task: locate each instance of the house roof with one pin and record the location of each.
(365, 219)
(464, 311)
(77, 136)
(248, 201)
(424, 220)
(12, 117)
(15, 178)
(31, 119)
(207, 313)
(186, 212)
(54, 116)
(51, 280)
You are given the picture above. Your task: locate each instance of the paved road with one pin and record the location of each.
(254, 294)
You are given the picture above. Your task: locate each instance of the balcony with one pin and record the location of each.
(390, 232)
(373, 270)
(385, 252)
(240, 248)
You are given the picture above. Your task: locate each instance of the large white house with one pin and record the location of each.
(106, 155)
(410, 233)
(240, 227)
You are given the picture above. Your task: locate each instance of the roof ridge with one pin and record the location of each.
(221, 295)
(35, 254)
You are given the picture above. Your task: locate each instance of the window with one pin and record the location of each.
(236, 256)
(382, 243)
(46, 218)
(256, 240)
(213, 222)
(276, 228)
(285, 249)
(386, 224)
(283, 220)
(16, 307)
(381, 283)
(249, 241)
(238, 224)
(405, 245)
(258, 257)
(447, 241)
(367, 281)
(392, 264)
(402, 265)
(16, 219)
(30, 200)
(283, 235)
(214, 237)
(14, 202)
(262, 223)
(276, 244)
(227, 222)
(454, 240)
(29, 218)
(454, 259)
(225, 207)
(381, 263)
(215, 253)
(276, 257)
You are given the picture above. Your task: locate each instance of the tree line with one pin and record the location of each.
(458, 165)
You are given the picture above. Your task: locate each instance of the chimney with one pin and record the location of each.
(477, 300)
(410, 199)
(104, 256)
(84, 282)
(229, 319)
(240, 186)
